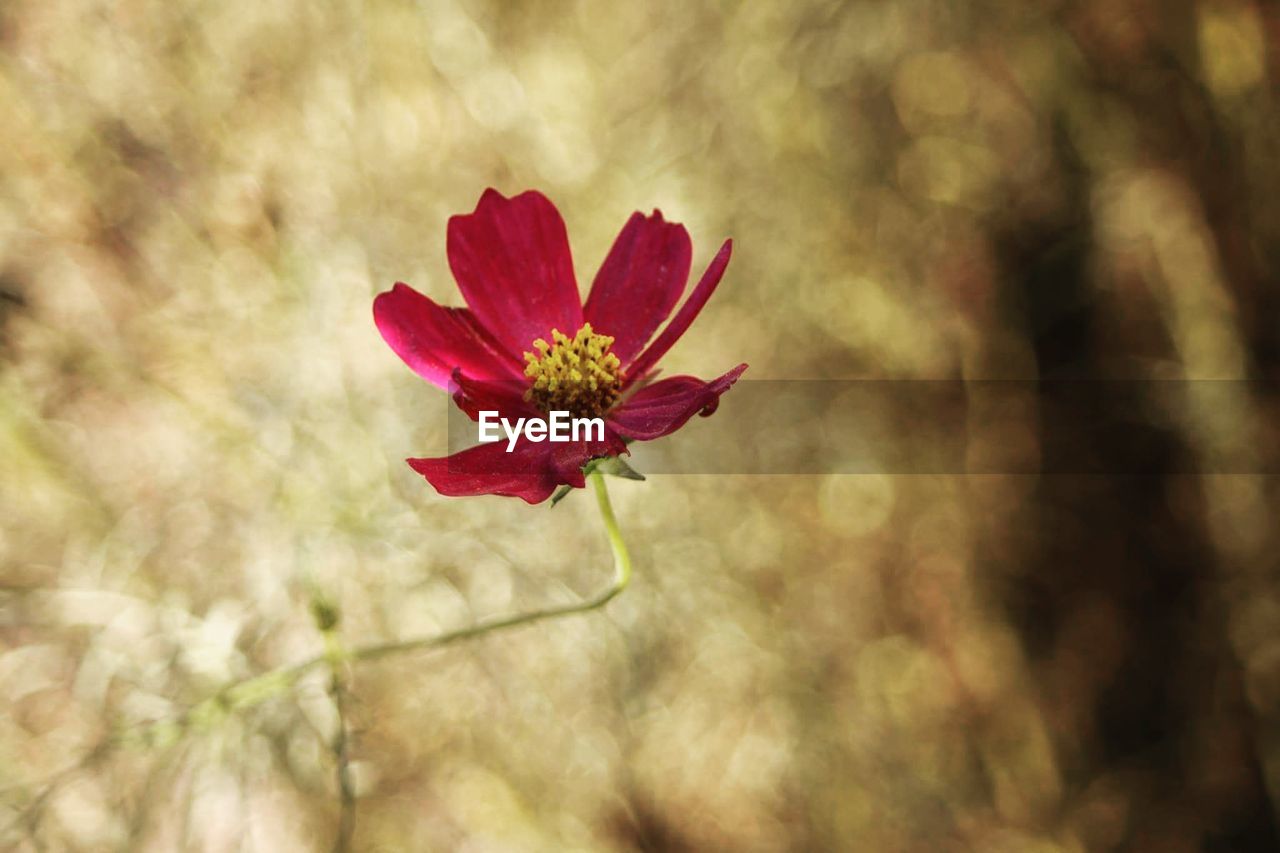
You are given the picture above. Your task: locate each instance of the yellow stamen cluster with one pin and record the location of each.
(577, 375)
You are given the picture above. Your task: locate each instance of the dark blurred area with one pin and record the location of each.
(201, 431)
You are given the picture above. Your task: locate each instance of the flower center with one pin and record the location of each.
(577, 375)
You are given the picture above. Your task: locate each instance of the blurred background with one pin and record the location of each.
(201, 432)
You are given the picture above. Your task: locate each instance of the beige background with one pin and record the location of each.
(200, 429)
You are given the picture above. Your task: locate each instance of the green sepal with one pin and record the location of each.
(613, 466)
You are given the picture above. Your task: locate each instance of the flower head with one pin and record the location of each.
(527, 345)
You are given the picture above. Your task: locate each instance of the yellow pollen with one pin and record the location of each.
(577, 375)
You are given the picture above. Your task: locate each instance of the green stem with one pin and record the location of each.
(336, 656)
(252, 691)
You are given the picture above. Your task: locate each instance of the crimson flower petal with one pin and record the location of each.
(639, 282)
(531, 472)
(505, 396)
(488, 469)
(433, 340)
(663, 407)
(686, 315)
(512, 263)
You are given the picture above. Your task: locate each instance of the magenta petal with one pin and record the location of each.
(505, 396)
(512, 263)
(639, 282)
(686, 315)
(434, 341)
(663, 407)
(531, 471)
(487, 469)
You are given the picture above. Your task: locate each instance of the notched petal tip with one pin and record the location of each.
(513, 265)
(492, 196)
(384, 300)
(639, 282)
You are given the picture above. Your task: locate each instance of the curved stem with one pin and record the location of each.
(251, 691)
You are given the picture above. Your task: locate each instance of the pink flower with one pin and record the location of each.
(528, 345)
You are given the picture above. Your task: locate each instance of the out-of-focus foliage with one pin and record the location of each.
(200, 430)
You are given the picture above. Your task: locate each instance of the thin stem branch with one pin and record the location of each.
(252, 691)
(621, 577)
(257, 689)
(341, 745)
